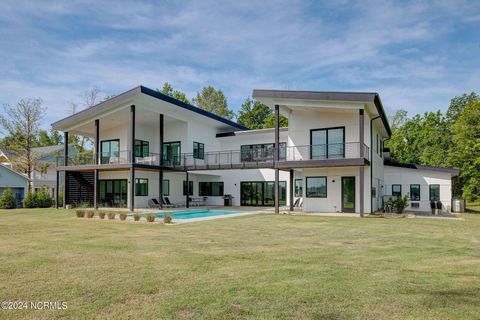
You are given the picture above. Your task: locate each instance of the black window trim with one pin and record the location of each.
(137, 189)
(430, 191)
(179, 149)
(326, 139)
(163, 187)
(210, 189)
(326, 187)
(295, 188)
(419, 192)
(202, 157)
(142, 144)
(396, 184)
(190, 182)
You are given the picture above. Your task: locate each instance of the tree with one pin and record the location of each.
(22, 121)
(458, 103)
(466, 149)
(7, 199)
(168, 90)
(49, 139)
(270, 121)
(214, 101)
(253, 114)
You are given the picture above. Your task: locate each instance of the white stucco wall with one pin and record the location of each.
(406, 177)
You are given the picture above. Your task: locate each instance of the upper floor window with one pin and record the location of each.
(316, 187)
(396, 190)
(414, 192)
(198, 150)
(434, 192)
(109, 151)
(210, 189)
(262, 152)
(327, 143)
(142, 148)
(298, 188)
(172, 153)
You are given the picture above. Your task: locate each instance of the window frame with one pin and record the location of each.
(419, 192)
(298, 188)
(167, 192)
(143, 144)
(319, 196)
(200, 152)
(326, 142)
(190, 190)
(138, 181)
(394, 185)
(110, 153)
(430, 191)
(165, 153)
(208, 187)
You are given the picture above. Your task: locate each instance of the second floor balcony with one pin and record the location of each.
(232, 159)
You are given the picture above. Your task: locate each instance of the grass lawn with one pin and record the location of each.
(256, 267)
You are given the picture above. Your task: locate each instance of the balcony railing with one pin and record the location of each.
(228, 159)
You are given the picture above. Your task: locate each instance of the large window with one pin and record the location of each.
(141, 187)
(396, 190)
(316, 187)
(166, 187)
(142, 148)
(414, 192)
(198, 150)
(262, 152)
(298, 188)
(113, 193)
(434, 192)
(261, 193)
(109, 151)
(327, 143)
(190, 188)
(172, 153)
(210, 189)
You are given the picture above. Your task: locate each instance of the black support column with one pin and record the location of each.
(96, 161)
(292, 191)
(160, 154)
(361, 133)
(132, 157)
(65, 164)
(57, 184)
(276, 158)
(187, 197)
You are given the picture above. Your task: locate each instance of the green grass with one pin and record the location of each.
(254, 267)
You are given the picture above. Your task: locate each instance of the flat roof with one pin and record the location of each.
(391, 163)
(152, 93)
(371, 97)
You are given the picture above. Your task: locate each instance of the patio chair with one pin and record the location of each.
(153, 203)
(295, 204)
(172, 205)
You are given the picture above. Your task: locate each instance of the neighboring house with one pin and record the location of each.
(44, 172)
(329, 159)
(14, 180)
(4, 159)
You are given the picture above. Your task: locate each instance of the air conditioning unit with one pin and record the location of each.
(415, 205)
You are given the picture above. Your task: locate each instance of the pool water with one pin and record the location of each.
(201, 213)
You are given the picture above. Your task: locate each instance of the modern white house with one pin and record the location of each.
(329, 159)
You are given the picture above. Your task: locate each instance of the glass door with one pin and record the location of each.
(348, 194)
(172, 153)
(110, 150)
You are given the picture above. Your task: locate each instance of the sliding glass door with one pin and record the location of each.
(172, 153)
(110, 151)
(261, 193)
(327, 143)
(113, 193)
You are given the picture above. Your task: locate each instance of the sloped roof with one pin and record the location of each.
(452, 171)
(24, 176)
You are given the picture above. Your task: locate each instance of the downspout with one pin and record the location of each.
(371, 162)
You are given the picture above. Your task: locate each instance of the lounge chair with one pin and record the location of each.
(171, 205)
(153, 203)
(295, 204)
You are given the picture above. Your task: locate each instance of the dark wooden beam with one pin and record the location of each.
(132, 188)
(362, 190)
(361, 133)
(65, 148)
(57, 184)
(132, 133)
(97, 142)
(95, 189)
(277, 191)
(187, 198)
(160, 154)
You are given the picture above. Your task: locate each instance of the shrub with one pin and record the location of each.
(90, 214)
(150, 218)
(81, 204)
(30, 200)
(43, 199)
(101, 215)
(80, 213)
(123, 216)
(136, 217)
(111, 216)
(167, 218)
(397, 204)
(7, 199)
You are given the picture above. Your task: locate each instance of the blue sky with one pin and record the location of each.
(417, 55)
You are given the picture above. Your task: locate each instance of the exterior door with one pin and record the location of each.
(348, 194)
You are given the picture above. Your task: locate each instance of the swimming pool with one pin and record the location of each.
(200, 213)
